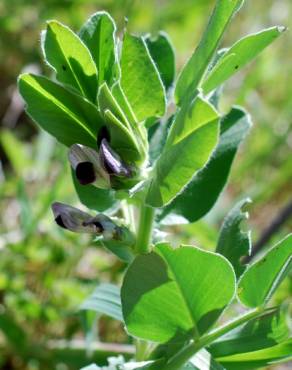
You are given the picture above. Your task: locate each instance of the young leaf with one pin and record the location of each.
(194, 69)
(162, 53)
(175, 292)
(98, 34)
(125, 136)
(138, 129)
(140, 79)
(71, 59)
(258, 359)
(121, 139)
(190, 142)
(233, 243)
(123, 102)
(65, 115)
(204, 189)
(92, 197)
(105, 300)
(265, 331)
(241, 53)
(261, 279)
(107, 101)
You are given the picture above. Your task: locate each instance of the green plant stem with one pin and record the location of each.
(177, 361)
(145, 228)
(144, 236)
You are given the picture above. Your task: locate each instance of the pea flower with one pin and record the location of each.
(88, 169)
(104, 169)
(75, 220)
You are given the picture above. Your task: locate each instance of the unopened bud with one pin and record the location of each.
(112, 162)
(75, 220)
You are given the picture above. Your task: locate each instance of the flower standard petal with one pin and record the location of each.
(85, 173)
(75, 220)
(86, 164)
(71, 218)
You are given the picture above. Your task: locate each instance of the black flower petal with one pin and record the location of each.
(85, 173)
(86, 163)
(60, 222)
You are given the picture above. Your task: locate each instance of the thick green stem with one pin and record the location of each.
(145, 228)
(177, 361)
(144, 237)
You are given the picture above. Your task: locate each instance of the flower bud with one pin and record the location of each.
(88, 169)
(73, 219)
(112, 162)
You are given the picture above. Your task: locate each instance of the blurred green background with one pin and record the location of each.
(46, 273)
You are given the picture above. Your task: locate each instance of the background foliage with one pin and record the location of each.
(45, 274)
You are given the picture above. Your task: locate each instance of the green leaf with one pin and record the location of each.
(162, 53)
(262, 278)
(140, 79)
(124, 104)
(158, 138)
(241, 53)
(98, 34)
(190, 142)
(194, 69)
(105, 300)
(71, 59)
(258, 359)
(125, 137)
(265, 331)
(138, 129)
(233, 243)
(106, 101)
(175, 292)
(124, 251)
(201, 194)
(92, 197)
(121, 139)
(65, 115)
